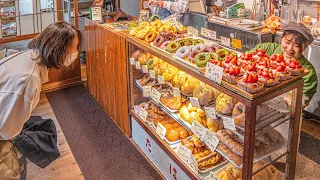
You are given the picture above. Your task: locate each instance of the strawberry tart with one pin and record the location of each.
(266, 76)
(263, 63)
(281, 71)
(246, 58)
(259, 53)
(231, 74)
(252, 67)
(295, 67)
(277, 59)
(217, 62)
(231, 60)
(250, 83)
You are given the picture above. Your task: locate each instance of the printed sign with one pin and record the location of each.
(236, 43)
(155, 95)
(145, 69)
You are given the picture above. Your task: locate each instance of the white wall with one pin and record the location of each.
(130, 7)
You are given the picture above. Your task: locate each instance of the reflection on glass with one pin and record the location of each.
(26, 7)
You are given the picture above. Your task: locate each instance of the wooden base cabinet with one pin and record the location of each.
(107, 72)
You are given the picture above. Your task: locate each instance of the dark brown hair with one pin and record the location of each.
(52, 43)
(299, 38)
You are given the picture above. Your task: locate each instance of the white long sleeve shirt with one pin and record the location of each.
(21, 79)
(177, 6)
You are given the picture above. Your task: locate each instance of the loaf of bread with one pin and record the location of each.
(230, 142)
(232, 156)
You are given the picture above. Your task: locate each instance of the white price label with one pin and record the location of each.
(132, 62)
(96, 14)
(161, 80)
(172, 21)
(204, 32)
(228, 123)
(211, 141)
(146, 91)
(145, 69)
(152, 74)
(155, 95)
(198, 130)
(212, 34)
(187, 156)
(138, 65)
(137, 110)
(179, 25)
(161, 130)
(176, 92)
(192, 31)
(210, 112)
(225, 41)
(143, 114)
(214, 73)
(194, 102)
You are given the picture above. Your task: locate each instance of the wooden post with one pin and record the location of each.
(250, 126)
(294, 131)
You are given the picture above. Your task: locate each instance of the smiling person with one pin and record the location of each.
(22, 75)
(296, 38)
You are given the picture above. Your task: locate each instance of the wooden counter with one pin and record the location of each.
(107, 71)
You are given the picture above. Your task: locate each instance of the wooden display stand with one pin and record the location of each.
(295, 85)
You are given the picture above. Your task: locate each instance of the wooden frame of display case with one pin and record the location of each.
(295, 85)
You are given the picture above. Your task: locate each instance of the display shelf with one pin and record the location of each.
(164, 146)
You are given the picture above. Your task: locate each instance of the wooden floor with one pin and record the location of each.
(65, 167)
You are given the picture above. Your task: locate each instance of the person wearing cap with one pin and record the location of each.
(165, 8)
(295, 39)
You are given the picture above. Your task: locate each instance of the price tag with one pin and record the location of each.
(145, 69)
(211, 141)
(189, 29)
(214, 73)
(211, 176)
(192, 31)
(161, 80)
(143, 114)
(212, 34)
(172, 21)
(236, 43)
(198, 130)
(152, 74)
(137, 110)
(204, 32)
(132, 62)
(96, 13)
(225, 41)
(146, 91)
(138, 65)
(155, 95)
(176, 92)
(210, 112)
(179, 25)
(194, 102)
(187, 156)
(228, 123)
(161, 130)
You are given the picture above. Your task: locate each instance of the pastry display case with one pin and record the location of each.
(212, 122)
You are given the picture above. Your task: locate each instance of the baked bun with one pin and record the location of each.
(184, 113)
(191, 109)
(188, 87)
(225, 175)
(168, 126)
(183, 133)
(224, 104)
(213, 125)
(204, 94)
(201, 113)
(179, 79)
(173, 135)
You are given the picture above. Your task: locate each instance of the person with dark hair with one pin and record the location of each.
(295, 39)
(21, 78)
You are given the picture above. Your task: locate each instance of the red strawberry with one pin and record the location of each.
(250, 79)
(274, 67)
(274, 57)
(260, 72)
(251, 67)
(254, 78)
(226, 70)
(292, 65)
(234, 61)
(280, 68)
(237, 70)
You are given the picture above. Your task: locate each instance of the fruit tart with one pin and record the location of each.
(252, 67)
(231, 74)
(263, 63)
(277, 59)
(250, 83)
(231, 60)
(217, 63)
(246, 58)
(295, 67)
(266, 76)
(259, 53)
(281, 71)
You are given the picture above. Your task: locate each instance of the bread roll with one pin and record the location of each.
(172, 135)
(230, 142)
(184, 113)
(212, 124)
(190, 84)
(192, 109)
(201, 113)
(225, 175)
(224, 104)
(204, 94)
(179, 79)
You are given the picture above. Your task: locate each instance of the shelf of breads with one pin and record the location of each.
(248, 75)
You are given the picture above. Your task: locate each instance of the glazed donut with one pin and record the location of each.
(208, 50)
(177, 40)
(164, 45)
(182, 42)
(183, 52)
(222, 54)
(173, 47)
(150, 36)
(178, 36)
(193, 54)
(165, 33)
(202, 59)
(198, 47)
(158, 41)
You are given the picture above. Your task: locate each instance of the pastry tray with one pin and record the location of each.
(166, 140)
(151, 44)
(188, 63)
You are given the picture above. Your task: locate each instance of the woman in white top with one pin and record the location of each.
(165, 8)
(22, 74)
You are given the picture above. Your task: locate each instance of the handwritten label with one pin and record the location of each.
(155, 95)
(204, 32)
(145, 69)
(138, 65)
(198, 130)
(132, 62)
(236, 43)
(179, 26)
(176, 92)
(214, 73)
(161, 80)
(137, 110)
(194, 102)
(211, 141)
(210, 112)
(225, 41)
(146, 91)
(192, 31)
(143, 114)
(161, 130)
(152, 74)
(228, 123)
(172, 21)
(187, 156)
(212, 34)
